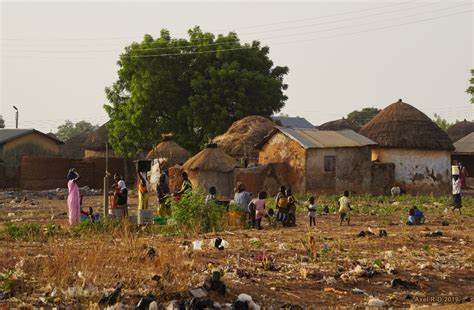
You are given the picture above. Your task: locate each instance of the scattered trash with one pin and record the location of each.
(219, 243)
(406, 284)
(198, 292)
(359, 291)
(365, 233)
(145, 303)
(197, 245)
(156, 278)
(110, 300)
(215, 284)
(445, 223)
(434, 234)
(375, 302)
(245, 301)
(382, 233)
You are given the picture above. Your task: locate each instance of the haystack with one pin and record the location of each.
(169, 151)
(460, 130)
(401, 125)
(212, 167)
(74, 146)
(340, 124)
(242, 135)
(420, 150)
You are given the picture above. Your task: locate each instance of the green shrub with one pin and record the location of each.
(27, 231)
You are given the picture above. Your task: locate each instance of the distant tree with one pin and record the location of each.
(69, 129)
(470, 89)
(363, 116)
(194, 87)
(2, 122)
(441, 122)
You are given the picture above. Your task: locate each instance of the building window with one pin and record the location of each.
(329, 163)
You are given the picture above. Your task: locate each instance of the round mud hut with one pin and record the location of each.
(97, 143)
(420, 150)
(212, 167)
(241, 137)
(460, 130)
(340, 124)
(168, 152)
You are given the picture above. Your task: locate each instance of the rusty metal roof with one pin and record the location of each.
(292, 122)
(313, 138)
(465, 145)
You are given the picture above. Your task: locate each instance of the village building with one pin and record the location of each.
(320, 161)
(211, 167)
(292, 122)
(464, 153)
(460, 130)
(420, 150)
(340, 124)
(97, 144)
(239, 140)
(17, 143)
(74, 147)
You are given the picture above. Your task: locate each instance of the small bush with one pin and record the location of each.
(27, 231)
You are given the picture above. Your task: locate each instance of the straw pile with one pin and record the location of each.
(211, 158)
(340, 124)
(460, 130)
(402, 126)
(242, 135)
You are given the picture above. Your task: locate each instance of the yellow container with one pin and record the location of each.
(234, 219)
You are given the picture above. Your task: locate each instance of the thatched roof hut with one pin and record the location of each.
(97, 139)
(169, 151)
(401, 125)
(460, 130)
(340, 124)
(212, 167)
(239, 140)
(74, 146)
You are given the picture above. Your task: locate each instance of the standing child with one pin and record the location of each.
(457, 202)
(212, 196)
(290, 209)
(259, 204)
(281, 203)
(345, 208)
(312, 211)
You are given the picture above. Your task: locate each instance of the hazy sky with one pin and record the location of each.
(57, 57)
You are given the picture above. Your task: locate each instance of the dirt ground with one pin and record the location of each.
(311, 267)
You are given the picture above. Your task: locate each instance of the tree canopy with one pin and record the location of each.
(194, 88)
(69, 129)
(2, 122)
(363, 116)
(441, 122)
(470, 89)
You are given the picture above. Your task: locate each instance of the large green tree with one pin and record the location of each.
(194, 88)
(470, 89)
(70, 129)
(441, 122)
(363, 116)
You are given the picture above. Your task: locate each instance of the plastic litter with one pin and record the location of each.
(219, 243)
(198, 292)
(375, 302)
(434, 234)
(406, 284)
(359, 291)
(197, 245)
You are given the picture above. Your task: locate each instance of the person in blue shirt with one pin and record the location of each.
(415, 216)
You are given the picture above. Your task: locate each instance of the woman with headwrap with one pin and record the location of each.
(73, 198)
(142, 191)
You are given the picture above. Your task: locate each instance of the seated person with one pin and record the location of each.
(415, 216)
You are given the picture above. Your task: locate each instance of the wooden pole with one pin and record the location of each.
(106, 182)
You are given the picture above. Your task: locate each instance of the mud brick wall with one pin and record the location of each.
(267, 178)
(382, 178)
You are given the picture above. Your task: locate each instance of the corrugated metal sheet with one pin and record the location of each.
(7, 135)
(292, 122)
(465, 145)
(313, 138)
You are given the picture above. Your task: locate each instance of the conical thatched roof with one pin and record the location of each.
(212, 158)
(74, 146)
(242, 135)
(460, 130)
(402, 126)
(170, 150)
(340, 124)
(97, 139)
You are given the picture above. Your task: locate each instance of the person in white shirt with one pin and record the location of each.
(345, 208)
(311, 211)
(457, 184)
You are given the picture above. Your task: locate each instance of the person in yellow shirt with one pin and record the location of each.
(345, 209)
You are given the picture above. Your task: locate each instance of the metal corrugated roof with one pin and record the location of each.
(465, 145)
(7, 135)
(313, 138)
(293, 122)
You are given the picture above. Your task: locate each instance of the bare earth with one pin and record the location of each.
(315, 267)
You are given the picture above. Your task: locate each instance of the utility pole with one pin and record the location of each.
(106, 181)
(16, 117)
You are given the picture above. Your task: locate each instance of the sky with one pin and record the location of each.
(57, 57)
